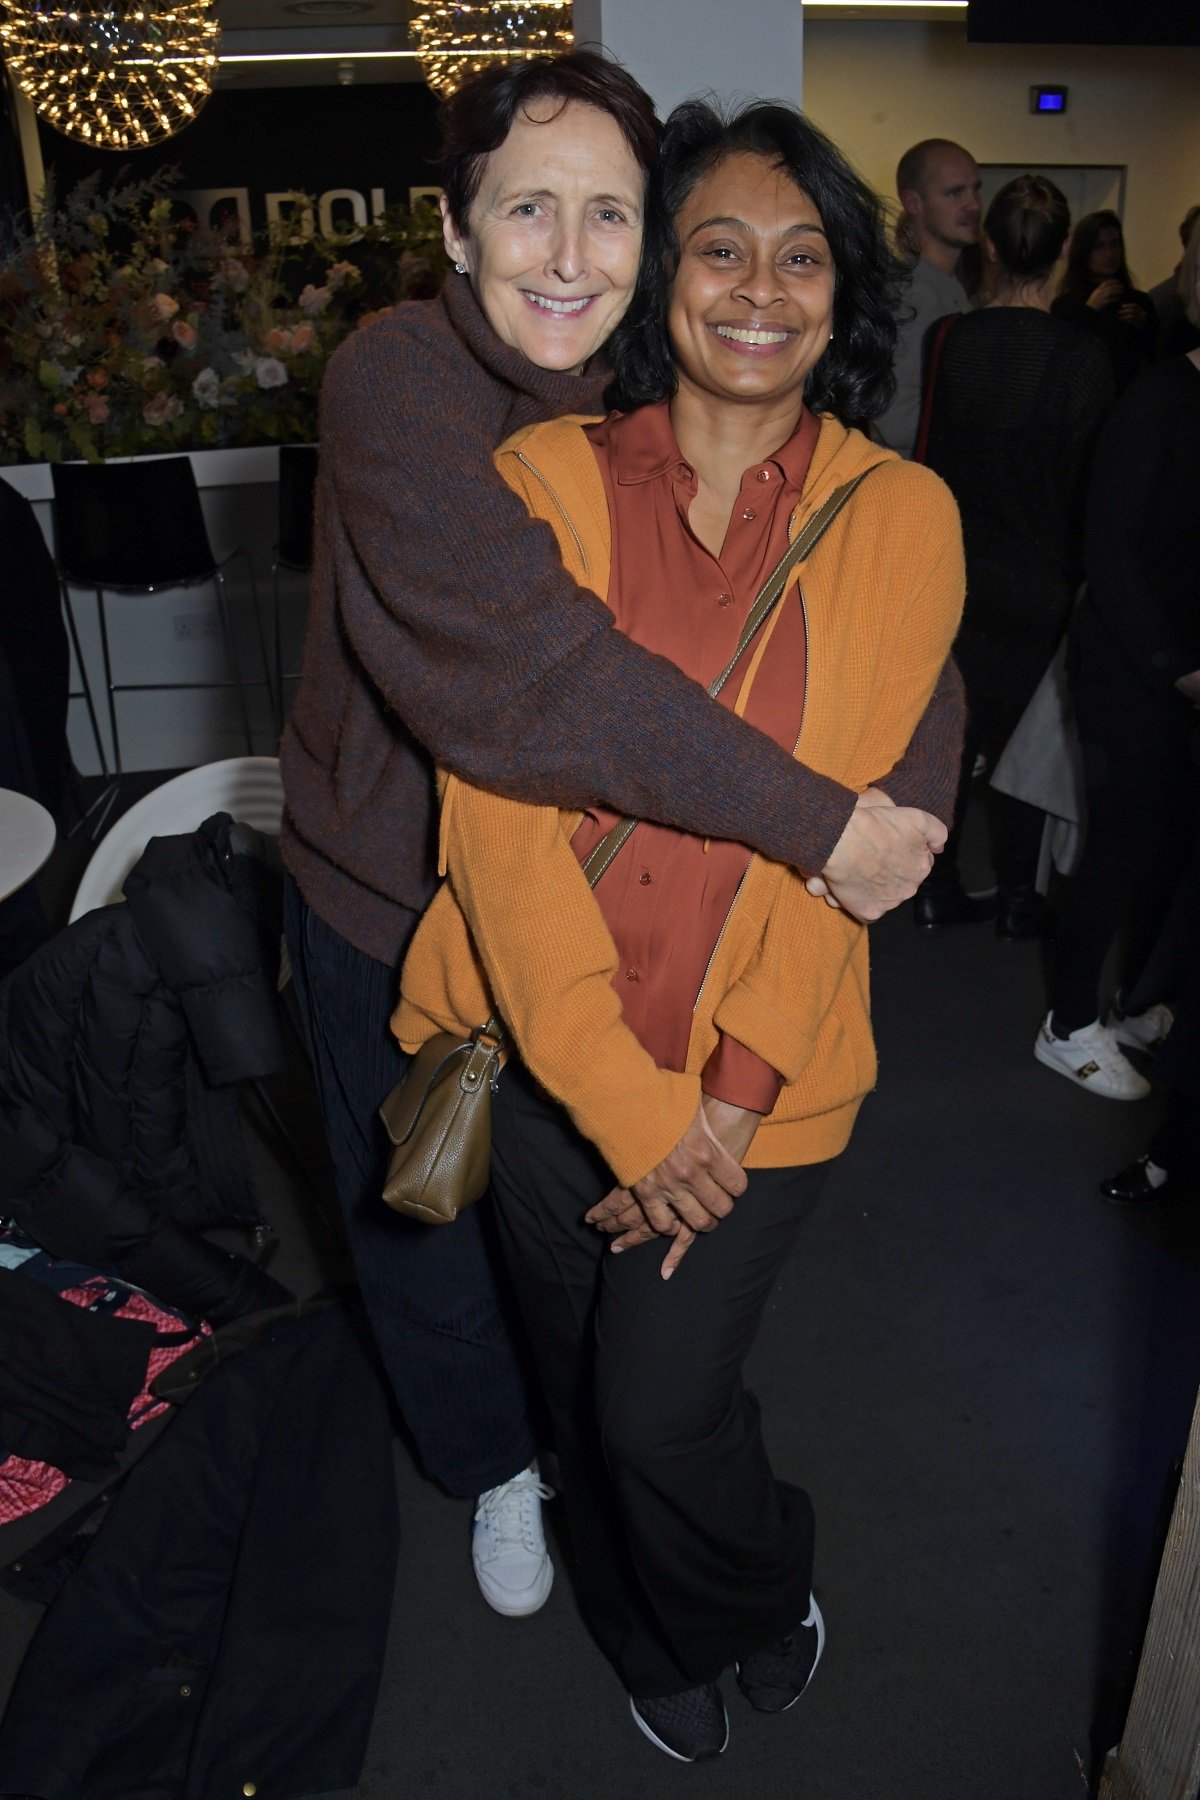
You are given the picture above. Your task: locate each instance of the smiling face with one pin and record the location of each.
(553, 236)
(751, 306)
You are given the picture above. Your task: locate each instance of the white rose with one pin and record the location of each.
(206, 389)
(269, 372)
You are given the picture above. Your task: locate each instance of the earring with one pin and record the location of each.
(460, 268)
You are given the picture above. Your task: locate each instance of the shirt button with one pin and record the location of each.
(631, 974)
(749, 513)
(764, 474)
(724, 600)
(644, 878)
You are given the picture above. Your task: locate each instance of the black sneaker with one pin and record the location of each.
(690, 1726)
(774, 1679)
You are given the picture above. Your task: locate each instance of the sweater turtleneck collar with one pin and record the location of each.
(557, 392)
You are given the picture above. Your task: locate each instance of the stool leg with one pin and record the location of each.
(231, 653)
(85, 683)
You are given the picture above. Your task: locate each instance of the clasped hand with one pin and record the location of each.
(881, 858)
(689, 1192)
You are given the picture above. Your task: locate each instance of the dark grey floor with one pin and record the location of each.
(983, 1374)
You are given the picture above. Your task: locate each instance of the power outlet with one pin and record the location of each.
(196, 625)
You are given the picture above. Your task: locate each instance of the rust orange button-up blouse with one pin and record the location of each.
(667, 895)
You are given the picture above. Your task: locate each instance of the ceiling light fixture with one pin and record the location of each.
(116, 74)
(454, 36)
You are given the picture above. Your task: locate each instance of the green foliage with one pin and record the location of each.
(125, 331)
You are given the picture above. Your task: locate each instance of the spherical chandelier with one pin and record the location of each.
(458, 38)
(116, 74)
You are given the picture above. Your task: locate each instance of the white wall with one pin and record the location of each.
(681, 47)
(878, 87)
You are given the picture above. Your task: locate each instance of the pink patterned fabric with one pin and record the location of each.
(26, 1486)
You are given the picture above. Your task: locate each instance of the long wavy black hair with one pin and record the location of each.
(853, 380)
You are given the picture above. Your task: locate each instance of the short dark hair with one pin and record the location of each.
(854, 377)
(1185, 224)
(1078, 281)
(1027, 225)
(477, 119)
(912, 171)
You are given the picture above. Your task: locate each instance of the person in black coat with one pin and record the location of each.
(1097, 292)
(1135, 680)
(1015, 400)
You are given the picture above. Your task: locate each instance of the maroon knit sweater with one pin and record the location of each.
(441, 622)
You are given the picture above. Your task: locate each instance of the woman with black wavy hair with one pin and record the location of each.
(696, 987)
(853, 380)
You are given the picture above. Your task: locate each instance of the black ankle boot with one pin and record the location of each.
(1024, 913)
(935, 905)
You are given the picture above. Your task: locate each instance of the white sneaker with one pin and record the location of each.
(508, 1546)
(1092, 1059)
(1144, 1031)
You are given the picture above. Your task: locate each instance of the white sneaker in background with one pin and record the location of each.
(1092, 1059)
(1142, 1031)
(508, 1545)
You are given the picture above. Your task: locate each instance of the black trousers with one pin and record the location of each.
(1015, 826)
(433, 1296)
(689, 1552)
(1142, 805)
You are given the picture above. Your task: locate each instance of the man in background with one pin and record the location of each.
(938, 184)
(1166, 298)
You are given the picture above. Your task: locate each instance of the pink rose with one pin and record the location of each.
(314, 300)
(303, 337)
(96, 407)
(165, 307)
(183, 333)
(161, 409)
(277, 339)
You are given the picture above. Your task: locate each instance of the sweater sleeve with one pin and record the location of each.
(494, 659)
(927, 773)
(550, 961)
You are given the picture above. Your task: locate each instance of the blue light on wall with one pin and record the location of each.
(1048, 99)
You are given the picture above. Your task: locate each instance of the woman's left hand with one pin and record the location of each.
(621, 1214)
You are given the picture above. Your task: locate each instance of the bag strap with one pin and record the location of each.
(767, 599)
(941, 332)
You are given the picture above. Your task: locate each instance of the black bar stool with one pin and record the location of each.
(136, 528)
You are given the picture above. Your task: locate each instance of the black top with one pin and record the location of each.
(1131, 347)
(1018, 399)
(1143, 525)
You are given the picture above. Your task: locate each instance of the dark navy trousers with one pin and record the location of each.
(431, 1291)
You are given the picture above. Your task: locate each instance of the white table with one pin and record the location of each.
(27, 836)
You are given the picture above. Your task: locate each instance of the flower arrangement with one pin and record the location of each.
(127, 331)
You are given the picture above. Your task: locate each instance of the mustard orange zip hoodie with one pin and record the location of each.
(515, 924)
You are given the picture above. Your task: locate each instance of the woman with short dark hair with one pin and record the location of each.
(441, 620)
(1015, 400)
(698, 992)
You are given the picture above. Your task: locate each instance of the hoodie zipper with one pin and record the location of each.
(563, 513)
(795, 747)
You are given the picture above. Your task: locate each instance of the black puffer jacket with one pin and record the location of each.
(119, 1043)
